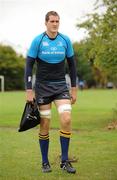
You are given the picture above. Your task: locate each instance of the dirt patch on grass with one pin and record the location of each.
(71, 159)
(112, 125)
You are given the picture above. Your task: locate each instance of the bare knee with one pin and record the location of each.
(66, 121)
(45, 121)
(44, 126)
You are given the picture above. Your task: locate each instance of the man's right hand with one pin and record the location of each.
(29, 95)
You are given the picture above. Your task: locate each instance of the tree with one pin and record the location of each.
(84, 69)
(102, 33)
(12, 67)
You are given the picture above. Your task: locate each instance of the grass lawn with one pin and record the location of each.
(93, 109)
(92, 143)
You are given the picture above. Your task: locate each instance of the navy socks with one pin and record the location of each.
(44, 145)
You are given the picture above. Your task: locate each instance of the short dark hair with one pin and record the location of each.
(51, 13)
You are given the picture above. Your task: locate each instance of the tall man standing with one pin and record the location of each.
(49, 50)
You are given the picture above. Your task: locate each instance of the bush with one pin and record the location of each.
(12, 68)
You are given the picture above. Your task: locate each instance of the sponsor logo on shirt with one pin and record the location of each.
(59, 43)
(53, 48)
(52, 52)
(45, 43)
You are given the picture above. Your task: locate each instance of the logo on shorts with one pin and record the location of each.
(41, 101)
(65, 96)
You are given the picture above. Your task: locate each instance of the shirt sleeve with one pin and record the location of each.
(69, 50)
(72, 70)
(28, 72)
(33, 50)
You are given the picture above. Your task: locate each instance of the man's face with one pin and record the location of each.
(52, 24)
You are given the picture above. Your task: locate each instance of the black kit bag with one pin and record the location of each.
(30, 117)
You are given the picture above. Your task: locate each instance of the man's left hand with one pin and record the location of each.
(73, 95)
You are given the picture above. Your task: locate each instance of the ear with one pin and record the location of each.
(45, 23)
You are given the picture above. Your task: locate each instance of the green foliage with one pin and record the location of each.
(12, 67)
(84, 69)
(102, 33)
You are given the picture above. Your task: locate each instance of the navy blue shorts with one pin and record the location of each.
(47, 92)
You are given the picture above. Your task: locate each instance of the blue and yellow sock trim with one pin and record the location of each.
(43, 137)
(65, 133)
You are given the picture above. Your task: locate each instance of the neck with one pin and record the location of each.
(51, 34)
